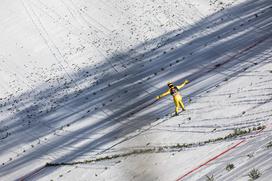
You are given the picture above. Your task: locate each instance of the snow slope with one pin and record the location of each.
(78, 81)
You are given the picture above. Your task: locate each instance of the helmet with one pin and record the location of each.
(170, 84)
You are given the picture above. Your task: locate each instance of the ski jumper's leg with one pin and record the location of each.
(181, 104)
(177, 109)
(177, 104)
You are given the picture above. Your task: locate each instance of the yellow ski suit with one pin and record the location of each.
(173, 90)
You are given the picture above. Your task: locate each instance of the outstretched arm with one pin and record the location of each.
(163, 94)
(183, 84)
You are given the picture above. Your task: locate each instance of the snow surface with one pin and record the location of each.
(78, 81)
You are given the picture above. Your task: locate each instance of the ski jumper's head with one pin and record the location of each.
(170, 85)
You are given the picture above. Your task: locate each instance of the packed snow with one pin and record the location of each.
(78, 81)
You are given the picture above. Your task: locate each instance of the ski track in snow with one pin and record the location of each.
(79, 78)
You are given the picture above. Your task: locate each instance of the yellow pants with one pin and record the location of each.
(178, 102)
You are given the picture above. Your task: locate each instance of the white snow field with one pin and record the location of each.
(78, 81)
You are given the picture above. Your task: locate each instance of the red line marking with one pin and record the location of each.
(214, 158)
(217, 156)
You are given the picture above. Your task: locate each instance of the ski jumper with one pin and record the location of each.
(174, 91)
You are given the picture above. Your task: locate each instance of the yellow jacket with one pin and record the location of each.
(169, 90)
